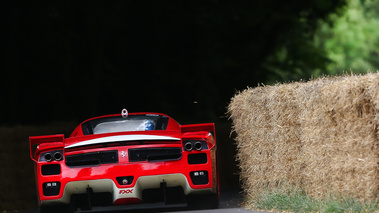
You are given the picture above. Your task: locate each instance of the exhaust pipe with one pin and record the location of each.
(48, 157)
(188, 146)
(57, 156)
(198, 146)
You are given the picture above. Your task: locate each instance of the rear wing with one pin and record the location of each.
(38, 143)
(209, 127)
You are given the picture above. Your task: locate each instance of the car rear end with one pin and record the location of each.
(123, 169)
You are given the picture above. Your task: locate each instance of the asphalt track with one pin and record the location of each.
(229, 203)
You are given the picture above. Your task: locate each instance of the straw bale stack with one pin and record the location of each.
(320, 135)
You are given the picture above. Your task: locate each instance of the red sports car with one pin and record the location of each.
(117, 160)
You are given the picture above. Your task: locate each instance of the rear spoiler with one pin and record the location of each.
(50, 141)
(209, 127)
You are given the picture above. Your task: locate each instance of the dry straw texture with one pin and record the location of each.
(320, 135)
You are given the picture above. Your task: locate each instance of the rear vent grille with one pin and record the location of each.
(92, 159)
(51, 169)
(197, 158)
(155, 154)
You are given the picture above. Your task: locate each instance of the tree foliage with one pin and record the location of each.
(352, 41)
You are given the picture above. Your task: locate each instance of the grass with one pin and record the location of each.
(296, 200)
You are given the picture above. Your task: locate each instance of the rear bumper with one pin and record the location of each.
(122, 196)
(194, 173)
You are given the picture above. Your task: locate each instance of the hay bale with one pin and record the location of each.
(320, 135)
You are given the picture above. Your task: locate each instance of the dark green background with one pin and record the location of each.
(70, 60)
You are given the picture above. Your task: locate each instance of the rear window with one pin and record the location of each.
(131, 123)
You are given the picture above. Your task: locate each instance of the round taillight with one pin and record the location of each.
(188, 146)
(57, 156)
(198, 146)
(48, 157)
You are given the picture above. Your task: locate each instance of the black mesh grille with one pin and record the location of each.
(154, 154)
(197, 158)
(93, 158)
(51, 169)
